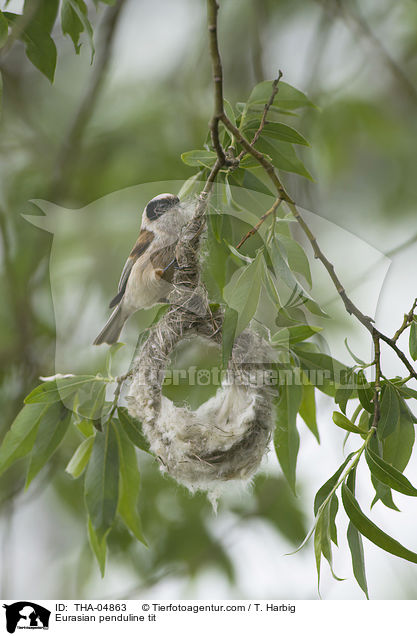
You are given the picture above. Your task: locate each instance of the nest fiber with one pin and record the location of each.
(227, 436)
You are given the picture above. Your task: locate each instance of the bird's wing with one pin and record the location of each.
(144, 240)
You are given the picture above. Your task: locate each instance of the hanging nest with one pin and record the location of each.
(227, 436)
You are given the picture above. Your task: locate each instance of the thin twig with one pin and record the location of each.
(268, 105)
(212, 11)
(218, 111)
(377, 390)
(256, 227)
(260, 158)
(408, 319)
(351, 308)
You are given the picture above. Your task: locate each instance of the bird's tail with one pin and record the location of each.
(111, 330)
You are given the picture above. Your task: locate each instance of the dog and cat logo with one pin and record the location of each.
(26, 615)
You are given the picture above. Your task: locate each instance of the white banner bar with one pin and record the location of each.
(160, 618)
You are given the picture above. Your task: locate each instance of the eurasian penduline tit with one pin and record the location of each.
(147, 275)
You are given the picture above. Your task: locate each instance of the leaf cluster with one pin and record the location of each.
(35, 27)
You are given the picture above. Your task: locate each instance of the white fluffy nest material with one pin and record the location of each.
(227, 436)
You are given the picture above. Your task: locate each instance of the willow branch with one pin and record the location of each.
(350, 307)
(268, 105)
(260, 158)
(377, 389)
(217, 69)
(220, 115)
(218, 111)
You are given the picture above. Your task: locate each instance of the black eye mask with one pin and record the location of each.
(157, 208)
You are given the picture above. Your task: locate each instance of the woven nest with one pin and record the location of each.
(227, 436)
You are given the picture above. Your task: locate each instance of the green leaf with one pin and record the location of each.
(129, 483)
(343, 422)
(405, 391)
(298, 333)
(398, 446)
(412, 342)
(51, 431)
(383, 494)
(80, 459)
(111, 354)
(369, 530)
(343, 393)
(76, 21)
(358, 360)
(133, 429)
(251, 182)
(242, 293)
(102, 481)
(288, 97)
(93, 405)
(199, 158)
(19, 440)
(325, 490)
(358, 560)
(71, 24)
(299, 296)
(191, 186)
(291, 98)
(317, 549)
(228, 109)
(308, 410)
(322, 543)
(4, 30)
(355, 542)
(219, 254)
(271, 289)
(390, 412)
(275, 130)
(281, 269)
(240, 257)
(286, 437)
(47, 392)
(365, 392)
(59, 389)
(389, 475)
(98, 546)
(296, 257)
(230, 321)
(41, 50)
(46, 12)
(333, 510)
(283, 156)
(85, 427)
(323, 371)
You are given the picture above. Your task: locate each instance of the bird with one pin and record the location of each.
(148, 272)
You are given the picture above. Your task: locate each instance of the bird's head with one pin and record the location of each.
(159, 205)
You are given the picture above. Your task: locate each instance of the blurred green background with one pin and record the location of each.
(125, 120)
